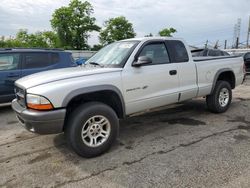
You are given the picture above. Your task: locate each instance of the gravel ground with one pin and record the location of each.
(180, 146)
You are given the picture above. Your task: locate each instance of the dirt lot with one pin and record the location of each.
(182, 146)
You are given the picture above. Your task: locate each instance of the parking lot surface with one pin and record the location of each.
(183, 145)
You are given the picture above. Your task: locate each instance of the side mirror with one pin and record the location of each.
(142, 60)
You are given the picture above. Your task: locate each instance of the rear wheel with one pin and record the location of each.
(220, 100)
(91, 129)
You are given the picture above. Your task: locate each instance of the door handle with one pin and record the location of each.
(173, 72)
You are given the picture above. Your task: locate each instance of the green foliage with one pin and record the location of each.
(167, 32)
(116, 29)
(96, 47)
(73, 24)
(46, 39)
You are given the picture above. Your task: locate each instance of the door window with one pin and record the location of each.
(157, 52)
(9, 61)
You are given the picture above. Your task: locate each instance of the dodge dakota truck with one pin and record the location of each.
(123, 78)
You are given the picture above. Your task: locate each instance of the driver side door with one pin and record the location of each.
(152, 85)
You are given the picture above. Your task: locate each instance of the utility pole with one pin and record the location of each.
(236, 36)
(237, 43)
(248, 33)
(225, 45)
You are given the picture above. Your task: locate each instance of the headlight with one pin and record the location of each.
(38, 102)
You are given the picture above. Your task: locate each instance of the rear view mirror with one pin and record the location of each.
(142, 60)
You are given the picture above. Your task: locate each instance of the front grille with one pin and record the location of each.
(20, 95)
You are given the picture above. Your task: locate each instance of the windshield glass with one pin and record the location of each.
(113, 54)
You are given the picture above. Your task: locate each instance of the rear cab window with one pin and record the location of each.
(177, 51)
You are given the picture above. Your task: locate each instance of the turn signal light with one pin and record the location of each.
(38, 102)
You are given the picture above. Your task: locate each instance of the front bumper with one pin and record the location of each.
(41, 122)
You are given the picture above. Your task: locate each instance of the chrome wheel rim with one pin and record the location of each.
(224, 97)
(96, 131)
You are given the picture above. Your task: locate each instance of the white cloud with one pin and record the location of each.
(195, 20)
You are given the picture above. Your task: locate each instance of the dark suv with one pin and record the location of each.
(17, 63)
(246, 57)
(208, 52)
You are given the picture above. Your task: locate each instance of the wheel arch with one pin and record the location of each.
(225, 74)
(107, 94)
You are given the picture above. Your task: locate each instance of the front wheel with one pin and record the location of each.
(91, 129)
(220, 100)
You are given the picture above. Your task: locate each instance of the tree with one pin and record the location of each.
(96, 47)
(73, 24)
(167, 32)
(46, 39)
(149, 35)
(116, 29)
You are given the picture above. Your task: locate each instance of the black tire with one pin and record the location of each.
(77, 120)
(212, 100)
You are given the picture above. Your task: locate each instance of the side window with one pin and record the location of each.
(225, 53)
(178, 51)
(55, 58)
(9, 61)
(36, 60)
(157, 52)
(247, 56)
(214, 53)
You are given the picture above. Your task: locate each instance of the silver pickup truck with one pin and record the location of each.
(123, 78)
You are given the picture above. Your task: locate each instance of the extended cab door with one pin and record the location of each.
(34, 62)
(151, 85)
(186, 69)
(9, 73)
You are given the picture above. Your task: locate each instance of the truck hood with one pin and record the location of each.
(61, 74)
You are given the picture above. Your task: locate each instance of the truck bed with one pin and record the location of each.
(208, 67)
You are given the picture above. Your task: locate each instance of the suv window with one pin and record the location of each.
(157, 52)
(36, 60)
(225, 53)
(9, 61)
(55, 58)
(214, 53)
(178, 51)
(247, 55)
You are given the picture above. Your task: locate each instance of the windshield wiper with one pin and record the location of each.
(96, 64)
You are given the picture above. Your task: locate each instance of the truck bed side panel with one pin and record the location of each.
(207, 70)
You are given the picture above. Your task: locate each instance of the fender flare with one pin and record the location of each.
(91, 89)
(217, 76)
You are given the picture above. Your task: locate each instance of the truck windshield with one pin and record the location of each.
(114, 54)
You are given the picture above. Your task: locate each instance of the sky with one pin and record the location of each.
(196, 21)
